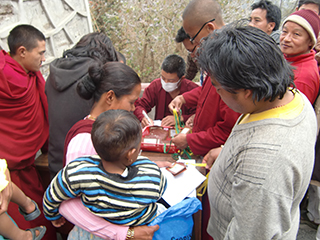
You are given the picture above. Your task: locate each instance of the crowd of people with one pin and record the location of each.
(252, 119)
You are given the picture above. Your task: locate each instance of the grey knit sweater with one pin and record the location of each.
(260, 177)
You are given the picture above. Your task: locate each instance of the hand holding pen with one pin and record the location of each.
(146, 121)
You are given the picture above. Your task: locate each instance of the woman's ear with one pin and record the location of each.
(108, 97)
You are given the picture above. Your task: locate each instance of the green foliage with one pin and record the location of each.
(144, 30)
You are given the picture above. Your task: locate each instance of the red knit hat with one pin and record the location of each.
(307, 19)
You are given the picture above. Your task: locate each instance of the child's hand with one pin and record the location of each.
(59, 222)
(5, 195)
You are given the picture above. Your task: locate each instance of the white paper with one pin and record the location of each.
(151, 140)
(181, 186)
(157, 123)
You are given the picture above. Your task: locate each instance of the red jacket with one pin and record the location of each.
(306, 74)
(213, 122)
(154, 95)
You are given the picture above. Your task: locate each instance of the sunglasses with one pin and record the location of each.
(192, 39)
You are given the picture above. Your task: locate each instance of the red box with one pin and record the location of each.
(154, 138)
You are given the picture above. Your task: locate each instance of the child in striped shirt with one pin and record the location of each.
(116, 184)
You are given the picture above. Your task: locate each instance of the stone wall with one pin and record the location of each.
(63, 22)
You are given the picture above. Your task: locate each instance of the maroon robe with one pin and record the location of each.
(154, 95)
(213, 121)
(24, 130)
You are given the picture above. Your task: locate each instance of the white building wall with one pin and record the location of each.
(63, 22)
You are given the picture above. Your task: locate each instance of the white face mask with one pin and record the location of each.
(169, 87)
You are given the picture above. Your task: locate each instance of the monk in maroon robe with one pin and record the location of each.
(24, 125)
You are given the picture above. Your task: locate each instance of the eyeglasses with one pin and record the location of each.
(202, 40)
(192, 49)
(192, 39)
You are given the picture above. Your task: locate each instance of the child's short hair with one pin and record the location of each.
(114, 133)
(174, 64)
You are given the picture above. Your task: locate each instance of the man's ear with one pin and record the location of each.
(210, 27)
(271, 26)
(130, 154)
(21, 51)
(248, 93)
(310, 44)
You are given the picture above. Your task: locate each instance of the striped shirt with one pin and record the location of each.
(121, 200)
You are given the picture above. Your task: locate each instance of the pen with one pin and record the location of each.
(197, 164)
(146, 116)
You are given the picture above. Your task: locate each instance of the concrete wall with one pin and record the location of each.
(63, 22)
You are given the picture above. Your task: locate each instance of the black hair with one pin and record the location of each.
(244, 57)
(181, 35)
(174, 64)
(114, 133)
(317, 2)
(96, 45)
(273, 12)
(24, 35)
(114, 76)
(121, 57)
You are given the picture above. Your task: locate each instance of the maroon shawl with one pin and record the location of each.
(23, 113)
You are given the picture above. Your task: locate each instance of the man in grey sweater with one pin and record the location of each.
(264, 169)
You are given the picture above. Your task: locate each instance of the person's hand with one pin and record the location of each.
(211, 156)
(168, 121)
(189, 123)
(59, 222)
(144, 232)
(6, 194)
(145, 122)
(180, 141)
(176, 103)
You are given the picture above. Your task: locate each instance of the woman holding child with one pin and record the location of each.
(112, 86)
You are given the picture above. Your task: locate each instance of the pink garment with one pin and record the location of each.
(80, 216)
(73, 150)
(74, 211)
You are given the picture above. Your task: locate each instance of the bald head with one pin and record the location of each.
(198, 12)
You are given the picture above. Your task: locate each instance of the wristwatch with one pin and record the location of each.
(130, 233)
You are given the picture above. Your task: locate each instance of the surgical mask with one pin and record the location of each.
(169, 87)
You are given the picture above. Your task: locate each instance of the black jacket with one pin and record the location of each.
(66, 107)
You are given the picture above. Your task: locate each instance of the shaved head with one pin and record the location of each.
(198, 12)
